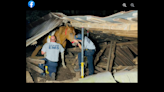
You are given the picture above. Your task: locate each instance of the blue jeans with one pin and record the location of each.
(89, 54)
(51, 66)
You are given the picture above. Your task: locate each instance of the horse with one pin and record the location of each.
(63, 33)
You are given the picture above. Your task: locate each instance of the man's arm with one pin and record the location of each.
(79, 40)
(43, 52)
(78, 43)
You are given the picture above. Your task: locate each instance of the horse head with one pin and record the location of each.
(70, 33)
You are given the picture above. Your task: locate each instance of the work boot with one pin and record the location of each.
(52, 76)
(77, 70)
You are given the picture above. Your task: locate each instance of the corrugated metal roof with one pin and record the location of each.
(41, 29)
(123, 15)
(132, 14)
(121, 24)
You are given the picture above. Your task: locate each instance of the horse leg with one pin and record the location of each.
(62, 55)
(63, 63)
(36, 51)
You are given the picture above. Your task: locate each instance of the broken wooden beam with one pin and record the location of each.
(126, 43)
(70, 68)
(133, 48)
(75, 60)
(29, 78)
(110, 52)
(100, 53)
(119, 58)
(124, 55)
(35, 61)
(34, 67)
(128, 52)
(70, 54)
(119, 61)
(135, 60)
(37, 57)
(74, 50)
(35, 52)
(99, 69)
(123, 58)
(112, 56)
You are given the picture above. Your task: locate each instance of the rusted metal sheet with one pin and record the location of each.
(47, 24)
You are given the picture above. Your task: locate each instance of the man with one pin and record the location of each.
(52, 50)
(89, 50)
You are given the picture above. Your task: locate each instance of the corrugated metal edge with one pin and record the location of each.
(36, 37)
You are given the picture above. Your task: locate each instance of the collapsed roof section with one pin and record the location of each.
(121, 24)
(41, 27)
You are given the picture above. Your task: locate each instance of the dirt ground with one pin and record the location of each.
(62, 74)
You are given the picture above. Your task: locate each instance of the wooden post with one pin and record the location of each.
(100, 53)
(34, 53)
(34, 67)
(107, 67)
(35, 61)
(112, 56)
(29, 78)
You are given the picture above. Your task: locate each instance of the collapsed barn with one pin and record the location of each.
(115, 37)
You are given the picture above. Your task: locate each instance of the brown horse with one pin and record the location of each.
(63, 33)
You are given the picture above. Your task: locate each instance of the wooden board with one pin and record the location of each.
(74, 50)
(119, 62)
(135, 60)
(34, 67)
(102, 64)
(100, 53)
(99, 69)
(111, 56)
(133, 48)
(128, 52)
(119, 58)
(126, 43)
(37, 57)
(75, 60)
(123, 57)
(29, 78)
(35, 61)
(70, 68)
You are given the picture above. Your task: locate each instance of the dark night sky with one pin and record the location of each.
(32, 15)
